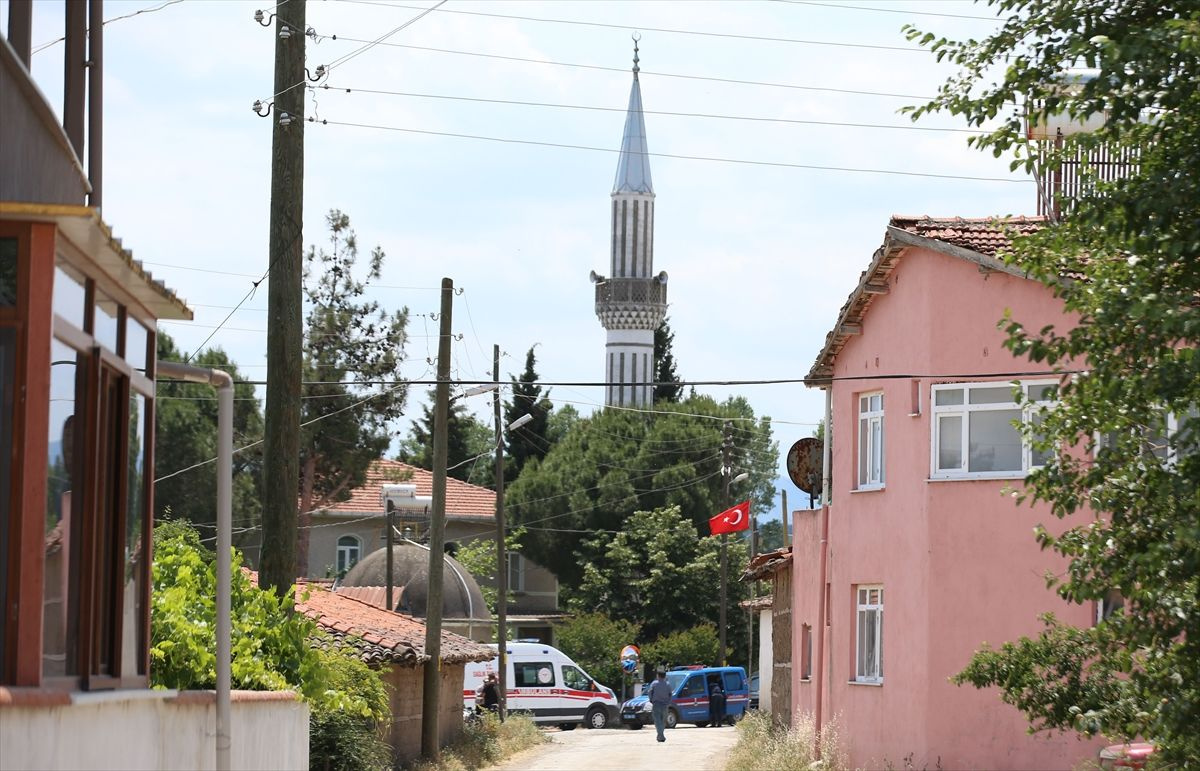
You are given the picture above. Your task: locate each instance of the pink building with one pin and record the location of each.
(923, 454)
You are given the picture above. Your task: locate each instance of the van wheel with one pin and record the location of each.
(672, 718)
(596, 717)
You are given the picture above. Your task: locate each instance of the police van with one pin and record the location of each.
(690, 686)
(545, 683)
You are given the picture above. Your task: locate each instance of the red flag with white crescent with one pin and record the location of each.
(731, 520)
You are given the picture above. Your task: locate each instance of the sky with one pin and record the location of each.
(484, 148)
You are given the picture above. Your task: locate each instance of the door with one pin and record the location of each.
(692, 700)
(533, 689)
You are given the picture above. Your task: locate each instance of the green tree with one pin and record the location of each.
(185, 437)
(669, 389)
(770, 535)
(351, 345)
(530, 440)
(562, 421)
(479, 558)
(1129, 364)
(595, 640)
(469, 444)
(617, 462)
(658, 573)
(698, 645)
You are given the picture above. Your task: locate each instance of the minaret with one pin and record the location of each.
(631, 302)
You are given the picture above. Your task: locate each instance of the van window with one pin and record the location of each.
(694, 687)
(733, 681)
(533, 674)
(575, 679)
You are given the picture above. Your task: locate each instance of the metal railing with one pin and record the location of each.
(649, 291)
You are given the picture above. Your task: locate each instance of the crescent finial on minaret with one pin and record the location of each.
(636, 37)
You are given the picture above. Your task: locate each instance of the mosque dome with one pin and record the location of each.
(461, 597)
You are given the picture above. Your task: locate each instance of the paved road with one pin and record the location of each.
(687, 748)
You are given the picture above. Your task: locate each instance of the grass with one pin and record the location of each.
(764, 746)
(486, 742)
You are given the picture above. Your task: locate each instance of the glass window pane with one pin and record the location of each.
(105, 321)
(69, 297)
(877, 451)
(992, 395)
(136, 338)
(60, 583)
(863, 428)
(132, 628)
(1038, 457)
(948, 396)
(994, 444)
(876, 402)
(1043, 393)
(8, 271)
(949, 453)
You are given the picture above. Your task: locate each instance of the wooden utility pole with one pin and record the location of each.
(431, 692)
(501, 547)
(281, 433)
(727, 474)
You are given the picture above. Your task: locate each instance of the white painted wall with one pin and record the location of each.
(143, 729)
(766, 660)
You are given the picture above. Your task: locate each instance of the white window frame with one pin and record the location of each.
(964, 411)
(346, 550)
(516, 572)
(868, 599)
(871, 441)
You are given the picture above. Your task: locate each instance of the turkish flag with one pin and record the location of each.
(731, 520)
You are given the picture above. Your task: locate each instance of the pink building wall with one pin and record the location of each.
(957, 559)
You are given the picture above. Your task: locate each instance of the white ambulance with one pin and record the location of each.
(546, 684)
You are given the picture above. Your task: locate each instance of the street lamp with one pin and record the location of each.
(726, 471)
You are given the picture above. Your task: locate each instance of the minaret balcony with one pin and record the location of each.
(636, 291)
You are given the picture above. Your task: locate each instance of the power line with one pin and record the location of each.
(638, 28)
(904, 11)
(46, 45)
(252, 275)
(757, 119)
(643, 72)
(711, 159)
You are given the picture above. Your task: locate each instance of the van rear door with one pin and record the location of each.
(534, 683)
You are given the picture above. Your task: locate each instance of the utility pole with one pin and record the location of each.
(281, 430)
(726, 475)
(501, 547)
(753, 592)
(391, 541)
(432, 685)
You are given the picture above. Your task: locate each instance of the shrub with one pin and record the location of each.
(698, 645)
(486, 742)
(344, 730)
(595, 641)
(762, 744)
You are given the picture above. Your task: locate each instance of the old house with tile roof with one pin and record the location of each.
(347, 532)
(920, 400)
(395, 644)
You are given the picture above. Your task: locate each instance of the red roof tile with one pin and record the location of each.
(379, 635)
(462, 499)
(986, 235)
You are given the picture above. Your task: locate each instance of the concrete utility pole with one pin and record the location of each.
(726, 476)
(501, 547)
(431, 692)
(281, 431)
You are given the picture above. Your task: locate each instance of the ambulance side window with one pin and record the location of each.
(533, 674)
(575, 679)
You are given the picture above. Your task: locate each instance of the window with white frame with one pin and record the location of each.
(349, 549)
(869, 660)
(975, 430)
(516, 572)
(870, 441)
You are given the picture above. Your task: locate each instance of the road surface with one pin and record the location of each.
(687, 748)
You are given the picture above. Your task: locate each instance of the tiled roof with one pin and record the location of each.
(380, 636)
(986, 235)
(977, 240)
(758, 603)
(768, 563)
(462, 499)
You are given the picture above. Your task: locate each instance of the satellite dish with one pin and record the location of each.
(804, 464)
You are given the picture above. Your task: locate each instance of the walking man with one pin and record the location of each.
(659, 695)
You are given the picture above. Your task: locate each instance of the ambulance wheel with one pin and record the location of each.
(567, 726)
(672, 718)
(596, 717)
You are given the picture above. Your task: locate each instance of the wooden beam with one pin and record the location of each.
(875, 288)
(848, 328)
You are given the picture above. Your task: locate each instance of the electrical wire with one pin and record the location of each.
(643, 72)
(46, 45)
(675, 156)
(757, 119)
(631, 28)
(904, 11)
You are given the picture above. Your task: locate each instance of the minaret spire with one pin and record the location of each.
(631, 303)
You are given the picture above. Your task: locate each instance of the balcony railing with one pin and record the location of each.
(649, 291)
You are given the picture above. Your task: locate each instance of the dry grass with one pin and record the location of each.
(486, 742)
(764, 746)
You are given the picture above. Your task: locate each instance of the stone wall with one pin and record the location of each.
(781, 640)
(406, 686)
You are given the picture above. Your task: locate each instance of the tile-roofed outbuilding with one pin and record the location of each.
(768, 563)
(978, 240)
(380, 636)
(462, 499)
